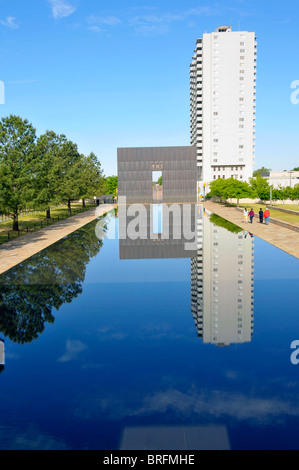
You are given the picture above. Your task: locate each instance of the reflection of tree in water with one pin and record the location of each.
(220, 222)
(53, 277)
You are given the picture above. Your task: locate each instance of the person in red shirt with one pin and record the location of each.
(267, 216)
(251, 215)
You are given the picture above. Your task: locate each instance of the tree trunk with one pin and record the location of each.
(48, 213)
(15, 221)
(238, 202)
(83, 203)
(69, 206)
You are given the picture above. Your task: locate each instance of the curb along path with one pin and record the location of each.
(281, 237)
(18, 250)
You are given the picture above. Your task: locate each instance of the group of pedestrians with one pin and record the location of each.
(263, 215)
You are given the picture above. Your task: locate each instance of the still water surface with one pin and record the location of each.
(118, 345)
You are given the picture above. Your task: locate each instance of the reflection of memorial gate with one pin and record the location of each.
(135, 174)
(157, 171)
(157, 193)
(172, 237)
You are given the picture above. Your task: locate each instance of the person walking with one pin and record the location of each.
(251, 215)
(261, 215)
(267, 216)
(245, 213)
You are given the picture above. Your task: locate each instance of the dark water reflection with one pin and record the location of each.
(30, 291)
(113, 344)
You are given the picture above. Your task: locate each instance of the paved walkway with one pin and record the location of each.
(20, 249)
(281, 237)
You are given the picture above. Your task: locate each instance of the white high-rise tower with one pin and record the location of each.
(222, 105)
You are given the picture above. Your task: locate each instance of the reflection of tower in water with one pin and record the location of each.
(222, 283)
(2, 355)
(221, 265)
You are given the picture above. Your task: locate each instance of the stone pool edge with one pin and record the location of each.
(280, 236)
(16, 251)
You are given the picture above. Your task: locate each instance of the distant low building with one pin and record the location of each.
(282, 179)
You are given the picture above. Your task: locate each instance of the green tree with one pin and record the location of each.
(260, 187)
(261, 170)
(281, 194)
(289, 193)
(237, 189)
(111, 184)
(295, 193)
(17, 166)
(296, 169)
(69, 174)
(92, 182)
(50, 150)
(217, 188)
(231, 189)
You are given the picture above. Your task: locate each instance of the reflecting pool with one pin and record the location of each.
(151, 343)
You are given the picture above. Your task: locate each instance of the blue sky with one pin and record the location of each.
(111, 74)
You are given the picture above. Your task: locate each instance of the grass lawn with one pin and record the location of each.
(36, 221)
(283, 216)
(292, 207)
